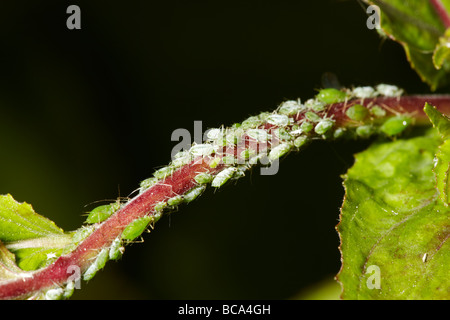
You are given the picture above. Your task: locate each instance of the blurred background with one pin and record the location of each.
(85, 115)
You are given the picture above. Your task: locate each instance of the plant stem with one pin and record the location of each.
(441, 11)
(182, 180)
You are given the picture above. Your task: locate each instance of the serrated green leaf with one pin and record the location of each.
(394, 230)
(418, 28)
(34, 239)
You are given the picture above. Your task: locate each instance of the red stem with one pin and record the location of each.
(180, 182)
(442, 12)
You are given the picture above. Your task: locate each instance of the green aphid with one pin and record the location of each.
(82, 233)
(163, 173)
(323, 126)
(258, 134)
(357, 112)
(311, 116)
(279, 151)
(102, 213)
(290, 108)
(306, 126)
(116, 249)
(331, 95)
(230, 160)
(192, 194)
(282, 134)
(223, 176)
(378, 111)
(300, 141)
(315, 105)
(201, 150)
(98, 264)
(203, 178)
(160, 206)
(214, 163)
(279, 120)
(339, 133)
(148, 183)
(364, 131)
(395, 125)
(54, 294)
(251, 122)
(175, 201)
(135, 228)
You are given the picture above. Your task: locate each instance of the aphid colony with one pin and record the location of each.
(259, 139)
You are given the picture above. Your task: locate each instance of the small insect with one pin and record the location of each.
(98, 264)
(377, 111)
(315, 105)
(389, 90)
(279, 120)
(251, 122)
(282, 134)
(291, 107)
(229, 160)
(339, 133)
(300, 141)
(82, 233)
(54, 294)
(174, 201)
(258, 134)
(203, 178)
(395, 125)
(192, 194)
(223, 176)
(306, 126)
(160, 206)
(135, 228)
(331, 95)
(364, 92)
(148, 183)
(102, 213)
(279, 151)
(215, 162)
(116, 250)
(357, 112)
(163, 173)
(323, 126)
(181, 161)
(201, 150)
(364, 131)
(311, 116)
(214, 134)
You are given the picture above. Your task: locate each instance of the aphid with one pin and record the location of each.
(135, 228)
(311, 116)
(215, 162)
(306, 126)
(395, 125)
(315, 105)
(159, 207)
(331, 95)
(377, 111)
(148, 183)
(193, 193)
(102, 213)
(251, 122)
(424, 258)
(69, 289)
(389, 90)
(364, 92)
(323, 126)
(364, 131)
(98, 264)
(203, 178)
(290, 108)
(82, 233)
(279, 151)
(214, 134)
(279, 120)
(300, 141)
(174, 201)
(116, 249)
(229, 160)
(339, 132)
(357, 112)
(258, 134)
(282, 134)
(54, 294)
(181, 161)
(201, 150)
(223, 176)
(163, 173)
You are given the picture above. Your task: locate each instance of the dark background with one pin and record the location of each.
(85, 115)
